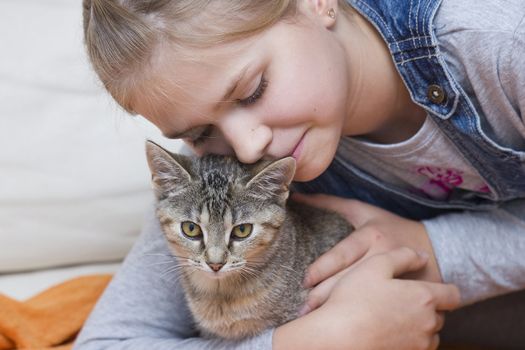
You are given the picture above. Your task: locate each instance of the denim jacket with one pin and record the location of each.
(407, 28)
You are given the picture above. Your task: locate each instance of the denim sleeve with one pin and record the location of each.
(483, 253)
(144, 306)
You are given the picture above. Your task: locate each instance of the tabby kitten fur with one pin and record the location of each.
(242, 248)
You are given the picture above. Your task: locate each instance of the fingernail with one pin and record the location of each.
(304, 310)
(422, 254)
(306, 282)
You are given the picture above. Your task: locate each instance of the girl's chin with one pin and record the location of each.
(304, 174)
(310, 167)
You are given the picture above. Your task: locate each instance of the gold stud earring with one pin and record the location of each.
(331, 13)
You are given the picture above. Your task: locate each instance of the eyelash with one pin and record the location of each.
(256, 95)
(203, 136)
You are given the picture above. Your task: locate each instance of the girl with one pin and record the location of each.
(414, 107)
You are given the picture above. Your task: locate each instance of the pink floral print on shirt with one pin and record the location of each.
(440, 181)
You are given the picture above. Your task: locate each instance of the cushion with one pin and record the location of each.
(74, 181)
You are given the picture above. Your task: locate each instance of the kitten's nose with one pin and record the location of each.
(215, 267)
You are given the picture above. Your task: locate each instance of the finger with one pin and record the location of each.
(318, 295)
(340, 256)
(440, 321)
(402, 260)
(434, 343)
(356, 212)
(446, 296)
(397, 262)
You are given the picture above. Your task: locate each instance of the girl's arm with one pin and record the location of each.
(481, 252)
(144, 307)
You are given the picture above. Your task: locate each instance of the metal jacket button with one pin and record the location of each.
(436, 94)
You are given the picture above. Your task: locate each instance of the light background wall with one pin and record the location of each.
(74, 183)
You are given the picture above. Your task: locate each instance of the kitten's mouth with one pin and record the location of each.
(217, 275)
(225, 272)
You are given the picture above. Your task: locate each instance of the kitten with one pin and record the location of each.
(243, 249)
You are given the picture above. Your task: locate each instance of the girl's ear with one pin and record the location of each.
(324, 10)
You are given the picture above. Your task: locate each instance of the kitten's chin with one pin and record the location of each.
(216, 275)
(219, 275)
(206, 280)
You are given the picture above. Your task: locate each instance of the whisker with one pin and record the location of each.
(168, 255)
(163, 263)
(249, 272)
(175, 261)
(190, 272)
(158, 254)
(173, 269)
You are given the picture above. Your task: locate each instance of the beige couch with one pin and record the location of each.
(74, 183)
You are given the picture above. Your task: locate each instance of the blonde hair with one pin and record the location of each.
(121, 36)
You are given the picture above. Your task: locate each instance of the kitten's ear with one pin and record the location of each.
(168, 172)
(273, 180)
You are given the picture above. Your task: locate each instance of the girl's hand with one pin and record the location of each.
(369, 308)
(376, 231)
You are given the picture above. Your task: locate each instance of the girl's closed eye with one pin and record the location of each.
(257, 94)
(202, 136)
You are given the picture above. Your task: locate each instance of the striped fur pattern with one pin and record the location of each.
(259, 284)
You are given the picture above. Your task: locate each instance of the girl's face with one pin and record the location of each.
(284, 92)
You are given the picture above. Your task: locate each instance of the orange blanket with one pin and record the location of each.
(51, 319)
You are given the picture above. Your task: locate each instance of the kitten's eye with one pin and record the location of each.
(191, 229)
(242, 231)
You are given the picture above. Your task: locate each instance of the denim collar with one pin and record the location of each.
(407, 28)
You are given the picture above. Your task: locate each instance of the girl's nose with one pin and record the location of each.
(249, 140)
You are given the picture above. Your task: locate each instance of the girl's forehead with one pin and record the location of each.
(185, 66)
(189, 81)
(184, 81)
(188, 68)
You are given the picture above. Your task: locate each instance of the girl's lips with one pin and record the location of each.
(297, 150)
